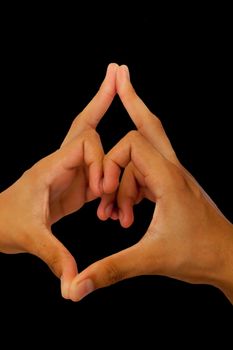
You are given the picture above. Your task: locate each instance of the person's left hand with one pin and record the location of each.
(57, 186)
(188, 238)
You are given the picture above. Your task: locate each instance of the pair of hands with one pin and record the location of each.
(188, 237)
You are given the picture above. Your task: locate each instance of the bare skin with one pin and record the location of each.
(57, 186)
(188, 238)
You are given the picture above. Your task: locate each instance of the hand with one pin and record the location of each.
(57, 186)
(188, 237)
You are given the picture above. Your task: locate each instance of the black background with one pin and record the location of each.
(52, 63)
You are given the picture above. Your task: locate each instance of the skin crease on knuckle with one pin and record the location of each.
(111, 273)
(107, 90)
(133, 136)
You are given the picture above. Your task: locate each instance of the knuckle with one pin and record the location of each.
(76, 121)
(113, 273)
(157, 121)
(107, 90)
(95, 135)
(106, 160)
(171, 154)
(89, 134)
(133, 135)
(177, 178)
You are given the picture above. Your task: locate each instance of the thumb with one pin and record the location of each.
(107, 271)
(58, 258)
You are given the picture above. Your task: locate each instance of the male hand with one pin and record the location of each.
(188, 237)
(57, 186)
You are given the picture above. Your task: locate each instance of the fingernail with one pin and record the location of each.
(108, 210)
(83, 289)
(126, 70)
(64, 289)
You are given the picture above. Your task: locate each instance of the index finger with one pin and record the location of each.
(147, 160)
(146, 122)
(97, 107)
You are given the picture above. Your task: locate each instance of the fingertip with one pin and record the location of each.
(108, 210)
(65, 286)
(112, 67)
(123, 77)
(126, 216)
(106, 206)
(123, 219)
(80, 290)
(105, 213)
(115, 214)
(126, 222)
(111, 73)
(101, 212)
(108, 86)
(68, 275)
(124, 71)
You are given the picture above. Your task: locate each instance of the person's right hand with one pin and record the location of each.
(188, 238)
(57, 185)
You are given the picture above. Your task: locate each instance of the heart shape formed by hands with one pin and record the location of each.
(185, 221)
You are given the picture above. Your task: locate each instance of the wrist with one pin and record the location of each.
(4, 219)
(224, 276)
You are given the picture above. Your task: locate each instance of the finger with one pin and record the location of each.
(115, 214)
(146, 159)
(125, 264)
(131, 191)
(94, 111)
(111, 177)
(145, 121)
(119, 205)
(110, 207)
(93, 158)
(106, 207)
(127, 196)
(85, 150)
(58, 259)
